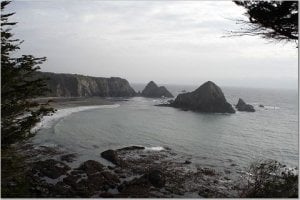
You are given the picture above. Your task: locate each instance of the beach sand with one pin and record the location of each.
(67, 102)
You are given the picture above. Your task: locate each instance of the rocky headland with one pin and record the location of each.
(207, 98)
(242, 106)
(74, 85)
(153, 91)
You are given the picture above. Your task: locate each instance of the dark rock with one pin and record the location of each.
(97, 182)
(261, 106)
(91, 167)
(187, 162)
(72, 180)
(207, 98)
(111, 156)
(88, 185)
(111, 178)
(140, 187)
(122, 176)
(242, 106)
(130, 148)
(156, 178)
(106, 195)
(153, 91)
(206, 192)
(50, 168)
(63, 190)
(110, 167)
(77, 172)
(69, 157)
(118, 171)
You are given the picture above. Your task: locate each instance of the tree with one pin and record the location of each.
(275, 20)
(19, 113)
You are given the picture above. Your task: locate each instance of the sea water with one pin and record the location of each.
(220, 141)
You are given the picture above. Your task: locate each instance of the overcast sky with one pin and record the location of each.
(169, 42)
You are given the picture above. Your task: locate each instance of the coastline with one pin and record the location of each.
(67, 102)
(50, 172)
(128, 172)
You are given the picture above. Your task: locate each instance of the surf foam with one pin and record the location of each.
(49, 120)
(154, 148)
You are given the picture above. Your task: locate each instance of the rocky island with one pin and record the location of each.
(153, 91)
(207, 98)
(242, 106)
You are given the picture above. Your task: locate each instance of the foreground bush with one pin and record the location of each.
(270, 179)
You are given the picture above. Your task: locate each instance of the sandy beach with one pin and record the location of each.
(67, 102)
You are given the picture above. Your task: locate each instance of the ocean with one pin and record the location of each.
(220, 141)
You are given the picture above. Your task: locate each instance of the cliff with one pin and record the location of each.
(153, 91)
(74, 85)
(207, 98)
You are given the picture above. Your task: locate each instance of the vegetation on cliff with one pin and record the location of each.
(74, 85)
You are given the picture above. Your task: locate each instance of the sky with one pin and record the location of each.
(169, 42)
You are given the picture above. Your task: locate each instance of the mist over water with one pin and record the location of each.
(221, 141)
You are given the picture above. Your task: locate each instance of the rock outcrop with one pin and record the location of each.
(111, 156)
(153, 91)
(74, 85)
(242, 106)
(207, 98)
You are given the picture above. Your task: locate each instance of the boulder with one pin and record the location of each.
(156, 178)
(242, 106)
(207, 98)
(140, 187)
(50, 168)
(111, 156)
(153, 91)
(91, 167)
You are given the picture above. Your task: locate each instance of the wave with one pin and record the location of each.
(48, 120)
(154, 148)
(271, 107)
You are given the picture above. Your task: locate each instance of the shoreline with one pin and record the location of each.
(67, 102)
(65, 106)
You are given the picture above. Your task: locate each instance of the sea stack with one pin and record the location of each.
(207, 98)
(153, 91)
(242, 106)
